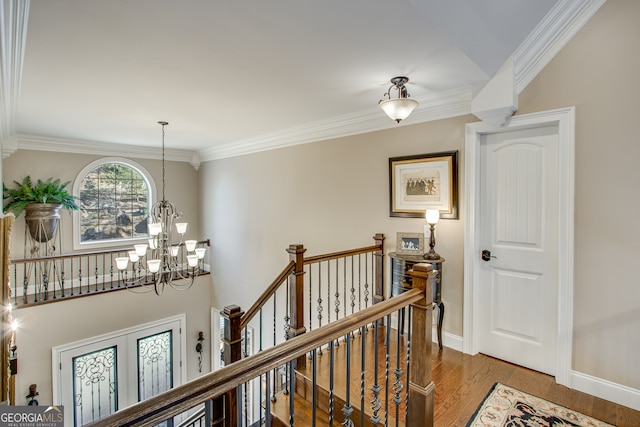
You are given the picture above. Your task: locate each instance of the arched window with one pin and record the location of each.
(115, 196)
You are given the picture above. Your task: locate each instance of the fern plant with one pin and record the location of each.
(48, 191)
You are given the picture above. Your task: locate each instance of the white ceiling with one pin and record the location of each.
(233, 73)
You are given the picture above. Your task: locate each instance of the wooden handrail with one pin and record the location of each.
(341, 254)
(178, 400)
(260, 302)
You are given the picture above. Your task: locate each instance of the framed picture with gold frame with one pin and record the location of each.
(424, 181)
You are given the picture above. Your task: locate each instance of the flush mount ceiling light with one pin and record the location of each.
(398, 108)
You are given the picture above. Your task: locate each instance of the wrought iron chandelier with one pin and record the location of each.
(161, 262)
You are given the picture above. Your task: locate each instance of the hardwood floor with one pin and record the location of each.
(462, 381)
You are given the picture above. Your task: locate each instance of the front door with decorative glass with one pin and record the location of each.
(98, 377)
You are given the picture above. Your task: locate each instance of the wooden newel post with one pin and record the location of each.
(232, 353)
(296, 296)
(378, 285)
(421, 388)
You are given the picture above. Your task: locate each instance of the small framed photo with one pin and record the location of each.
(424, 181)
(410, 244)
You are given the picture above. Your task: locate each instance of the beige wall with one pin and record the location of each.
(334, 194)
(44, 327)
(329, 196)
(598, 72)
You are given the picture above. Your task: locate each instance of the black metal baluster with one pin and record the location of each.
(71, 270)
(397, 384)
(353, 289)
(96, 273)
(25, 288)
(387, 337)
(274, 390)
(244, 397)
(314, 392)
(329, 292)
(103, 272)
(347, 409)
(360, 281)
(331, 377)
(287, 317)
(366, 281)
(337, 294)
(80, 277)
(259, 350)
(292, 394)
(363, 349)
(320, 301)
(375, 402)
(35, 285)
(267, 402)
(45, 284)
(408, 361)
(310, 276)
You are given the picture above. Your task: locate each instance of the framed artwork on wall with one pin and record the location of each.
(424, 181)
(410, 244)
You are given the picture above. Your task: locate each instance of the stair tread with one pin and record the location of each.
(302, 411)
(323, 363)
(304, 374)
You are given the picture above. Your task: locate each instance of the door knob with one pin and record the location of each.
(486, 255)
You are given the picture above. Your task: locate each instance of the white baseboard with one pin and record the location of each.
(613, 392)
(598, 387)
(448, 340)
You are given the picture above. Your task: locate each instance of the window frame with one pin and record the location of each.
(77, 243)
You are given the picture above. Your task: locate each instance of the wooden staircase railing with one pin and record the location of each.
(214, 386)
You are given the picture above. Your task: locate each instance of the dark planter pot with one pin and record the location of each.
(42, 220)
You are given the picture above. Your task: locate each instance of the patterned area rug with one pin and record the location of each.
(507, 407)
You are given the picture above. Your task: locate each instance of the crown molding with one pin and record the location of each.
(14, 16)
(61, 145)
(434, 106)
(552, 33)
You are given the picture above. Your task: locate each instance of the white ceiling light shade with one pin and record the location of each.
(398, 108)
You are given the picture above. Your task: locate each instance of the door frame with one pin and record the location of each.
(564, 119)
(180, 340)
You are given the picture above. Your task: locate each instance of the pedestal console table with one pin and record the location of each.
(401, 282)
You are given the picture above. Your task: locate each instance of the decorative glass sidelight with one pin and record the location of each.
(155, 366)
(155, 370)
(95, 387)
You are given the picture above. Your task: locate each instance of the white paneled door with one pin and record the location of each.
(518, 223)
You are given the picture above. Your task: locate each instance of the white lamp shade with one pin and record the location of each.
(398, 108)
(174, 250)
(153, 244)
(432, 216)
(141, 250)
(155, 228)
(192, 260)
(122, 262)
(190, 245)
(181, 227)
(200, 252)
(153, 265)
(133, 256)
